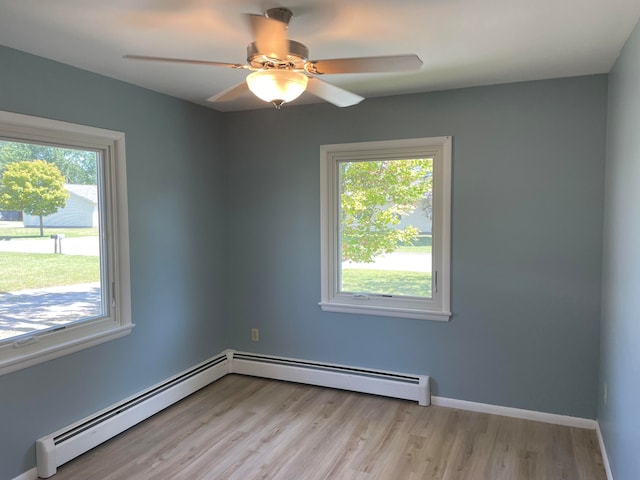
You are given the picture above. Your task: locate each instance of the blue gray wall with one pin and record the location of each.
(224, 225)
(175, 213)
(528, 169)
(619, 417)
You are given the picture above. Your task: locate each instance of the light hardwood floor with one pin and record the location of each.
(245, 428)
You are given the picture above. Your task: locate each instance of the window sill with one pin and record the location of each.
(38, 352)
(386, 311)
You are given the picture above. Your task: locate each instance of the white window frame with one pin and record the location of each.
(28, 350)
(332, 300)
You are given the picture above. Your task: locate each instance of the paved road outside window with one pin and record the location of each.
(37, 309)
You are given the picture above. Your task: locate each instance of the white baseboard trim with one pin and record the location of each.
(28, 475)
(515, 412)
(603, 451)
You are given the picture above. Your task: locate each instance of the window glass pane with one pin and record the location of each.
(51, 272)
(384, 231)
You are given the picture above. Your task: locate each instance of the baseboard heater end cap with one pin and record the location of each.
(424, 399)
(46, 457)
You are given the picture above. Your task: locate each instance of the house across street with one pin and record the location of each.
(81, 209)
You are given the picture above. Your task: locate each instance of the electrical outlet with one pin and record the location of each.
(255, 335)
(605, 394)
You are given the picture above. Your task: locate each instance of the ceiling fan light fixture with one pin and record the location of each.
(277, 86)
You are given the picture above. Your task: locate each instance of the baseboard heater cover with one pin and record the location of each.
(66, 444)
(378, 382)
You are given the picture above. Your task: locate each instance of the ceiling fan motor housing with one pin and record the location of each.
(296, 59)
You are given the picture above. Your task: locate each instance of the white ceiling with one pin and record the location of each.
(461, 42)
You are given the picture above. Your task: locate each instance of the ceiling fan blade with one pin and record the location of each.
(270, 36)
(332, 94)
(391, 63)
(185, 60)
(230, 93)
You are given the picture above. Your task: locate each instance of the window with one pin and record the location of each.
(64, 248)
(385, 225)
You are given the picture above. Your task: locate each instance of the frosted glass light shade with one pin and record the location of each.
(277, 86)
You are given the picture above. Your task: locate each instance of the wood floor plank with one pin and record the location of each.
(243, 428)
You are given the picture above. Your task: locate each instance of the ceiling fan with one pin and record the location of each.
(281, 69)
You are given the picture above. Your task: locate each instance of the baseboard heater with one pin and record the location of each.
(66, 444)
(378, 382)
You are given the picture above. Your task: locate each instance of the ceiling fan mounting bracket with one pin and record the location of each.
(281, 14)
